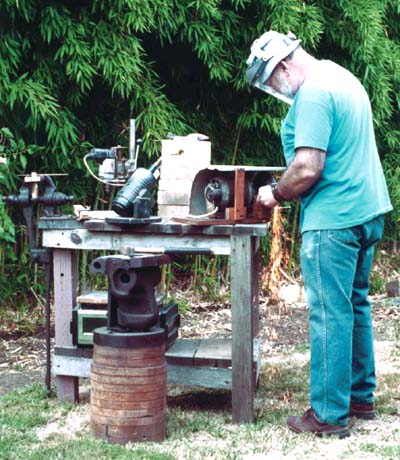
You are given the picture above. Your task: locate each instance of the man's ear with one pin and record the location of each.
(283, 66)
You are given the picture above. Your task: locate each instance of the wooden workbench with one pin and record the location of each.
(66, 235)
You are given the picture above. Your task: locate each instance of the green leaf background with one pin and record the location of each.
(72, 74)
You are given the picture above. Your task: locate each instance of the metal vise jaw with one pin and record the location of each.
(132, 305)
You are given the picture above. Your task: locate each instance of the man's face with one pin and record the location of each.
(280, 82)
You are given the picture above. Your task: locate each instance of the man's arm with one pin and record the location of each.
(302, 174)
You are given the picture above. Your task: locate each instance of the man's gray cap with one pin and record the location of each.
(266, 52)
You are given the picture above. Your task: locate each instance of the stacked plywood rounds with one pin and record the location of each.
(128, 386)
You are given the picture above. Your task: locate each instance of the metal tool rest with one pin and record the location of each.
(230, 364)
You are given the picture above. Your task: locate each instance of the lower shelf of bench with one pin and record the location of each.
(191, 362)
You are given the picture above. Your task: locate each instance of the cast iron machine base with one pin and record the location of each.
(132, 305)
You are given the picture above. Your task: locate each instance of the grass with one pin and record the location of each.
(397, 333)
(390, 452)
(33, 427)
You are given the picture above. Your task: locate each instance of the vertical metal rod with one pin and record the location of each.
(132, 139)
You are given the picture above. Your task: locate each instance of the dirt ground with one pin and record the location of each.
(283, 329)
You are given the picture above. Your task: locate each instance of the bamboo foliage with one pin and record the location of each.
(160, 60)
(73, 72)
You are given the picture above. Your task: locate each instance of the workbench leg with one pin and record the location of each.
(255, 284)
(65, 286)
(242, 300)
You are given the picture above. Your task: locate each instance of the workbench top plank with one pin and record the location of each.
(167, 227)
(156, 243)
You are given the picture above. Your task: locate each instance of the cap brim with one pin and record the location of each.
(261, 70)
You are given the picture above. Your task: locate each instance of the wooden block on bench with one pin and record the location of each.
(94, 299)
(181, 159)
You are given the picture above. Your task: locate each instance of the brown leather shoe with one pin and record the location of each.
(309, 423)
(362, 410)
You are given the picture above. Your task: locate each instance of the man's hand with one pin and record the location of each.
(265, 197)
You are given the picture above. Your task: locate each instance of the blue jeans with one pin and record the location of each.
(335, 266)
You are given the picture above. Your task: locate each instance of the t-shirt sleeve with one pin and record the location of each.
(314, 119)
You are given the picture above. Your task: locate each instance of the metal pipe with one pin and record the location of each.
(132, 139)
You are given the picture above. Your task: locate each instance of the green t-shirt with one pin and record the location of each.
(331, 111)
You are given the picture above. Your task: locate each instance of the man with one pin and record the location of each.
(335, 171)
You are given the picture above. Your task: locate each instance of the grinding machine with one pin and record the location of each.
(223, 194)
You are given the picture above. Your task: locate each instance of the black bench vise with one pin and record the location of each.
(132, 305)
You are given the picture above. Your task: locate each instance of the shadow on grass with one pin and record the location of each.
(281, 389)
(201, 400)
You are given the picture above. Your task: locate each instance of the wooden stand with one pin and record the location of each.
(237, 369)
